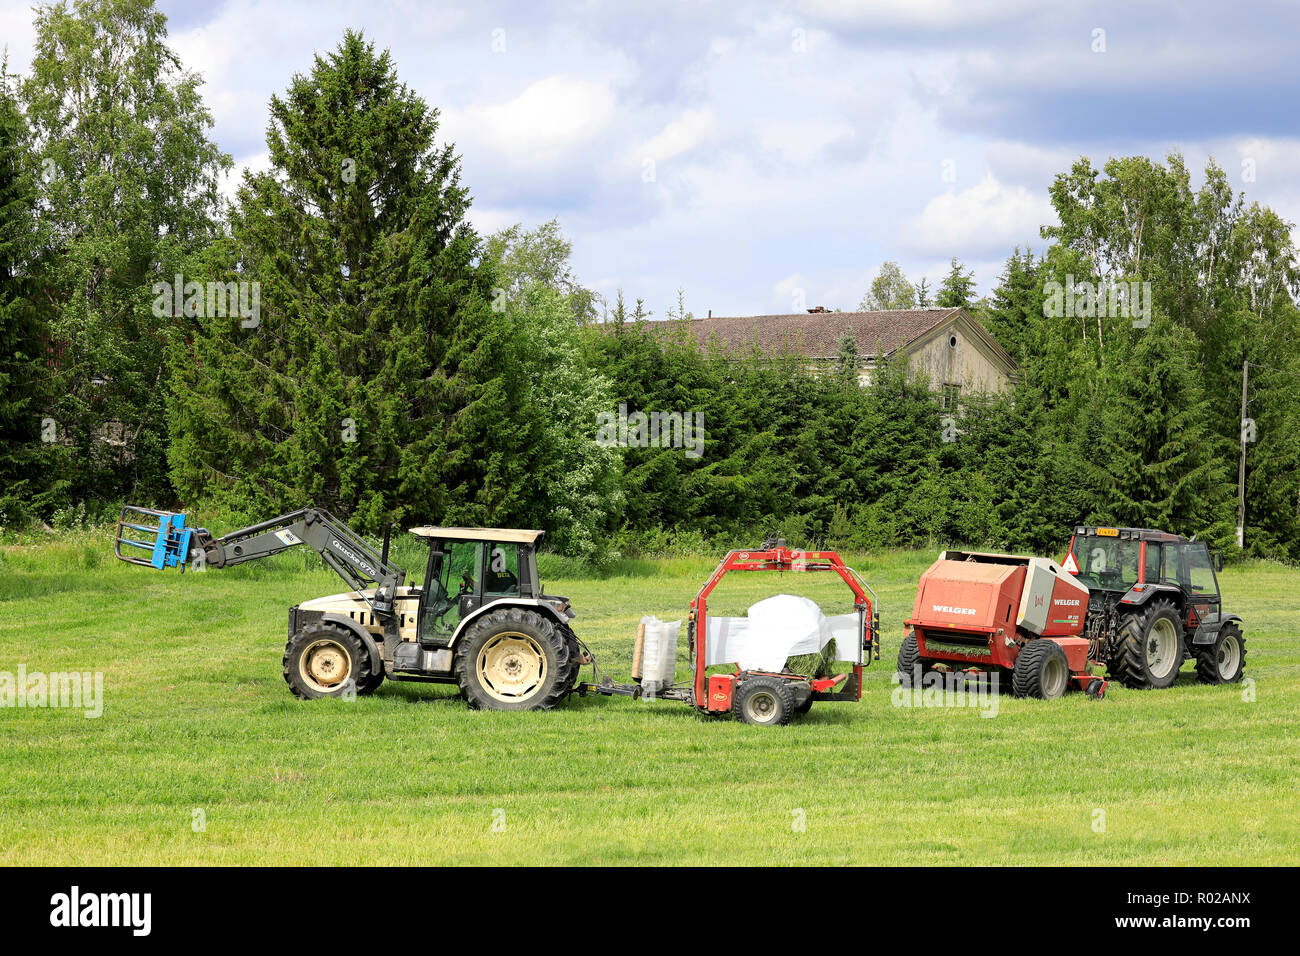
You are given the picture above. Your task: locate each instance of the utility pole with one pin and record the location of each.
(1241, 465)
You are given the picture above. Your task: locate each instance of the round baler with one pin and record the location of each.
(1002, 614)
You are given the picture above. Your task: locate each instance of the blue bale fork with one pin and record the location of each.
(170, 544)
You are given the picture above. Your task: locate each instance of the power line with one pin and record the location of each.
(1269, 368)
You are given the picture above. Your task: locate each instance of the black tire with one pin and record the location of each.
(514, 659)
(1133, 654)
(1216, 663)
(326, 660)
(1041, 670)
(575, 655)
(909, 659)
(372, 685)
(763, 701)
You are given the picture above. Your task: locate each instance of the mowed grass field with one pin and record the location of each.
(198, 728)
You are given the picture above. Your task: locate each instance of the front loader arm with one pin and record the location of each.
(339, 546)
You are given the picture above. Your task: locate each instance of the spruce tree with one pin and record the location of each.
(957, 291)
(1016, 311)
(1158, 463)
(383, 377)
(28, 484)
(923, 294)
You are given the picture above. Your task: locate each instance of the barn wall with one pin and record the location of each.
(969, 364)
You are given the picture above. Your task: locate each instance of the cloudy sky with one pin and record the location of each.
(767, 157)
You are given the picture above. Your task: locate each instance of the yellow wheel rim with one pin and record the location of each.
(325, 665)
(511, 667)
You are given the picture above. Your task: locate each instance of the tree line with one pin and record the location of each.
(339, 334)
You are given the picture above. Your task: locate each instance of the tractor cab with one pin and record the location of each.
(1129, 561)
(470, 568)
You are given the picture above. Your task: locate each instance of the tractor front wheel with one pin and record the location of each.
(325, 660)
(1041, 670)
(1223, 661)
(514, 659)
(765, 701)
(372, 685)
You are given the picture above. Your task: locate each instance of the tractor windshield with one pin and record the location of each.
(1107, 564)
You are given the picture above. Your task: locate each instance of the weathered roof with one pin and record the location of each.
(817, 334)
(495, 535)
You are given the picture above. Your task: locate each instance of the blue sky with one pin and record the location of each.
(764, 157)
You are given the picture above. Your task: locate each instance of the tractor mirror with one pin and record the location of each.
(1217, 558)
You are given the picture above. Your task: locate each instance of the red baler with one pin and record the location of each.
(1000, 613)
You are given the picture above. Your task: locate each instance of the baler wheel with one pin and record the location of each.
(1041, 670)
(1149, 647)
(764, 701)
(1223, 661)
(909, 658)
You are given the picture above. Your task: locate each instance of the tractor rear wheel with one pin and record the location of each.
(1041, 670)
(1148, 650)
(326, 660)
(765, 701)
(1223, 661)
(575, 655)
(911, 666)
(514, 659)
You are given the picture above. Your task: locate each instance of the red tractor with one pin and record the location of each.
(1153, 603)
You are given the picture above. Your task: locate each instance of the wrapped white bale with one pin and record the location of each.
(659, 653)
(781, 627)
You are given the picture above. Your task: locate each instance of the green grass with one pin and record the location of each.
(197, 717)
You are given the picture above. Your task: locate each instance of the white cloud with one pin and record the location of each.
(983, 218)
(550, 118)
(682, 135)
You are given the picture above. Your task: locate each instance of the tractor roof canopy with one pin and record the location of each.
(496, 535)
(1128, 534)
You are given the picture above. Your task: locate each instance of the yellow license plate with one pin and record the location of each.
(1108, 532)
